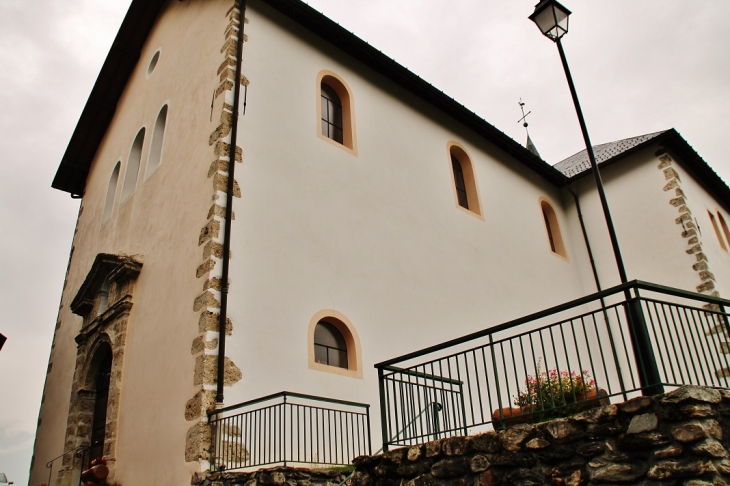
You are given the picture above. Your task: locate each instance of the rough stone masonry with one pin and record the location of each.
(680, 438)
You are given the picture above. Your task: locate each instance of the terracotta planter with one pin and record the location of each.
(510, 416)
(95, 474)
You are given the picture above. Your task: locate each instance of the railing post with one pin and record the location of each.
(383, 421)
(282, 425)
(649, 377)
(463, 410)
(370, 440)
(436, 407)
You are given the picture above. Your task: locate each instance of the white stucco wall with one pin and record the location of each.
(377, 236)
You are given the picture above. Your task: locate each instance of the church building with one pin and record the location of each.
(254, 168)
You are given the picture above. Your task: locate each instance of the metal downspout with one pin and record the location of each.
(229, 209)
(585, 237)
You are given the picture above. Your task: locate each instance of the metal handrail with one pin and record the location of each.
(77, 450)
(619, 338)
(274, 429)
(638, 284)
(285, 394)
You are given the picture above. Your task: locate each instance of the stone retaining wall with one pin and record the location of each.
(278, 476)
(681, 438)
(677, 438)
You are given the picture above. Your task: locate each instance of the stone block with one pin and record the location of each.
(396, 456)
(563, 430)
(415, 453)
(513, 459)
(671, 451)
(272, 478)
(512, 439)
(689, 432)
(479, 463)
(680, 469)
(597, 414)
(591, 449)
(642, 441)
(197, 442)
(643, 423)
(692, 392)
(450, 468)
(433, 448)
(619, 473)
(537, 443)
(486, 479)
(454, 446)
(412, 469)
(711, 448)
(488, 442)
(361, 478)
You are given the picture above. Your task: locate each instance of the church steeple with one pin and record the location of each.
(531, 146)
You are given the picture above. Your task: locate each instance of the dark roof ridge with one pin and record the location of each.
(577, 166)
(124, 54)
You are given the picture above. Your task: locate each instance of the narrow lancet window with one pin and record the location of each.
(465, 186)
(555, 238)
(132, 172)
(461, 196)
(111, 192)
(158, 137)
(717, 231)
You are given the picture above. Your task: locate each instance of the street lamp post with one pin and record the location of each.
(552, 20)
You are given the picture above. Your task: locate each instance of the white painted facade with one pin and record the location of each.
(374, 234)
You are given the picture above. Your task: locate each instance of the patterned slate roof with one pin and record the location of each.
(575, 164)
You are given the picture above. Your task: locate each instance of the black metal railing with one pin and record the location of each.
(78, 453)
(288, 428)
(636, 338)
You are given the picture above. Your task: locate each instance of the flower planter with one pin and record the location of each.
(511, 416)
(95, 474)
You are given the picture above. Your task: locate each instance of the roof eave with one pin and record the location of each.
(672, 140)
(124, 55)
(101, 105)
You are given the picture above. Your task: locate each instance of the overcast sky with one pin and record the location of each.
(639, 67)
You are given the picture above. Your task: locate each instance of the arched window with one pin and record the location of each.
(158, 136)
(717, 230)
(135, 157)
(331, 114)
(111, 192)
(465, 187)
(330, 347)
(723, 224)
(334, 346)
(552, 228)
(335, 111)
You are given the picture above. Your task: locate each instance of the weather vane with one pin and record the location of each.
(524, 116)
(530, 146)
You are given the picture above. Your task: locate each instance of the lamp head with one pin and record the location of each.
(551, 18)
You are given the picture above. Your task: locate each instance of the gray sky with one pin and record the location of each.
(639, 67)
